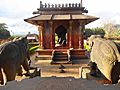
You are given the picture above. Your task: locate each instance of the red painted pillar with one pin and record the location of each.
(81, 35)
(51, 35)
(70, 34)
(40, 29)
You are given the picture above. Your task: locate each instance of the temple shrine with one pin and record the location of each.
(61, 29)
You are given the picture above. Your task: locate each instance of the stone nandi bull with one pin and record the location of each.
(106, 57)
(13, 55)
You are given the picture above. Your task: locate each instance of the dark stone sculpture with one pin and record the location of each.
(13, 55)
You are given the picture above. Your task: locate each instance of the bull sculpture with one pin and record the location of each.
(13, 55)
(105, 56)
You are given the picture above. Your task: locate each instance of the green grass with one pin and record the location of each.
(86, 47)
(33, 49)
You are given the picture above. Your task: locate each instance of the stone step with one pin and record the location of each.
(44, 51)
(81, 61)
(60, 56)
(60, 53)
(75, 57)
(61, 62)
(60, 59)
(43, 57)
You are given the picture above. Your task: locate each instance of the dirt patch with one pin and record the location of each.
(57, 83)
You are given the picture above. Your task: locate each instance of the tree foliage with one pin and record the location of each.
(98, 31)
(4, 33)
(110, 30)
(88, 32)
(94, 31)
(118, 32)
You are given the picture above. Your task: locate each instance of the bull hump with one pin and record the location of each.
(2, 47)
(108, 49)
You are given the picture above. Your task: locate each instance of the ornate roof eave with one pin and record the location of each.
(36, 20)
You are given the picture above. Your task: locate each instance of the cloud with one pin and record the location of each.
(102, 5)
(18, 8)
(13, 12)
(22, 30)
(18, 26)
(116, 19)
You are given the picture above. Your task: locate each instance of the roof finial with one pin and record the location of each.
(81, 3)
(41, 5)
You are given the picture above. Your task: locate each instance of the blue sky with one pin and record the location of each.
(13, 13)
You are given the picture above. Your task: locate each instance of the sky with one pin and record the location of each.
(13, 13)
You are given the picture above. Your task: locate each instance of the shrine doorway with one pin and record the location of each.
(61, 37)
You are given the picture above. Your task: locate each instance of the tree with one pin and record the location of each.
(110, 30)
(98, 31)
(118, 34)
(4, 33)
(118, 29)
(87, 33)
(94, 31)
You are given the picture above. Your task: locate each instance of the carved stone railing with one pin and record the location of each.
(60, 8)
(70, 5)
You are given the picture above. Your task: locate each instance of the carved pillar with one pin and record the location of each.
(81, 35)
(51, 35)
(70, 34)
(40, 29)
